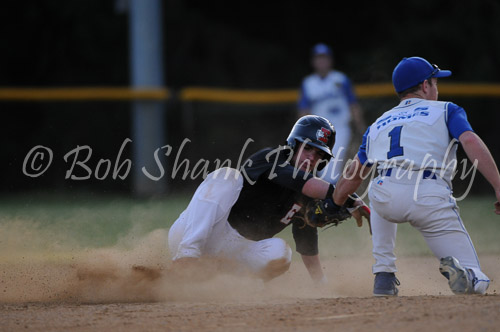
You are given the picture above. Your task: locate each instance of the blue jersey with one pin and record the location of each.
(329, 97)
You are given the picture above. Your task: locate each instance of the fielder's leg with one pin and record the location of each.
(384, 241)
(438, 219)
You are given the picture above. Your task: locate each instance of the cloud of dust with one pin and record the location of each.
(45, 264)
(40, 264)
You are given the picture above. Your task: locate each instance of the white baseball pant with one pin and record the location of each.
(428, 205)
(203, 230)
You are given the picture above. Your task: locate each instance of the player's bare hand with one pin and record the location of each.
(497, 208)
(359, 211)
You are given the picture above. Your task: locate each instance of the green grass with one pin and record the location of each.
(97, 221)
(90, 221)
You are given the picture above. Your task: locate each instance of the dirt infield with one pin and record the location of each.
(105, 293)
(432, 313)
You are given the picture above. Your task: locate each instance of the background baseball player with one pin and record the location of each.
(414, 147)
(329, 93)
(234, 215)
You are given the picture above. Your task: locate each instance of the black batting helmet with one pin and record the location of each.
(315, 131)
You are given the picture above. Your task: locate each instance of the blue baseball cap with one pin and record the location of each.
(321, 49)
(412, 71)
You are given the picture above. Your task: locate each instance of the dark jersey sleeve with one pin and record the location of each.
(274, 165)
(306, 238)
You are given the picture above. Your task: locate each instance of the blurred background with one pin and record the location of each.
(233, 47)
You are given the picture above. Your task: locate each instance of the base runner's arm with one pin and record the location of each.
(315, 188)
(313, 266)
(478, 152)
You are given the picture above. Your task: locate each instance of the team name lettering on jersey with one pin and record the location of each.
(288, 217)
(403, 115)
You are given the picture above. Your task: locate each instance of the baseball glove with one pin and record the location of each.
(320, 213)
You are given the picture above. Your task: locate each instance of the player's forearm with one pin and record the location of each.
(345, 188)
(349, 182)
(476, 150)
(315, 188)
(313, 266)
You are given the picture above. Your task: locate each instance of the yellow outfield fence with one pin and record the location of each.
(239, 96)
(82, 93)
(192, 94)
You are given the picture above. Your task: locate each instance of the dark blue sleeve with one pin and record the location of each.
(304, 101)
(457, 121)
(349, 91)
(363, 158)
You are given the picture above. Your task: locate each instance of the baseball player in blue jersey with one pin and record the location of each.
(234, 214)
(329, 93)
(413, 146)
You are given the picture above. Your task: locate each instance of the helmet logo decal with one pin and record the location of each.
(323, 135)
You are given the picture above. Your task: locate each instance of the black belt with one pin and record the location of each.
(425, 175)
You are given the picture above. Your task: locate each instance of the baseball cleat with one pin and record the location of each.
(459, 280)
(385, 284)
